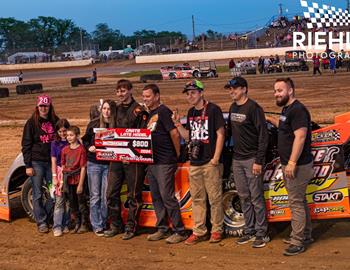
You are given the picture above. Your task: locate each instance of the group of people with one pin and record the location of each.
(53, 150)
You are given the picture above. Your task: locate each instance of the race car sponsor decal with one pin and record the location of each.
(328, 196)
(325, 136)
(277, 200)
(319, 210)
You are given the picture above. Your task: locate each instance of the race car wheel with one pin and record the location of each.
(196, 74)
(172, 76)
(233, 216)
(27, 198)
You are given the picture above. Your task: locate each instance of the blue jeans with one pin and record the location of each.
(61, 214)
(42, 211)
(97, 179)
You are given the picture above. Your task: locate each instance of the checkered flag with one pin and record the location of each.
(324, 16)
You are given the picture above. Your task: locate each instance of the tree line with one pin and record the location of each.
(52, 35)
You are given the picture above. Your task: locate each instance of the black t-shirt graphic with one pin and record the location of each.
(249, 131)
(160, 123)
(293, 117)
(203, 127)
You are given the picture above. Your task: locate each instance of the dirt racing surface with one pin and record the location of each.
(21, 247)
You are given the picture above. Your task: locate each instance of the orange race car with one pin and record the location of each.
(327, 192)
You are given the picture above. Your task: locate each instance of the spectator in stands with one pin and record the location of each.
(94, 76)
(267, 63)
(333, 63)
(261, 65)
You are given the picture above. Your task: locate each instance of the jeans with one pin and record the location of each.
(134, 175)
(42, 211)
(206, 184)
(97, 179)
(162, 185)
(251, 194)
(61, 214)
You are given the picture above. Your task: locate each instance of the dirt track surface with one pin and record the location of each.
(21, 247)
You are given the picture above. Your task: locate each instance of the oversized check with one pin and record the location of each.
(123, 144)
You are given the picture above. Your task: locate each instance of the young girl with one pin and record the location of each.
(73, 161)
(38, 134)
(61, 213)
(98, 170)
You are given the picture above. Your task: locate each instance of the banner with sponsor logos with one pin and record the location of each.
(124, 144)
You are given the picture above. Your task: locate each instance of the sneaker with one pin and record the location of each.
(113, 231)
(43, 229)
(158, 235)
(99, 233)
(83, 229)
(215, 237)
(293, 250)
(260, 241)
(128, 235)
(246, 238)
(66, 229)
(195, 239)
(75, 229)
(176, 238)
(57, 232)
(307, 241)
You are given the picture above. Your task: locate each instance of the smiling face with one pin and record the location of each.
(150, 99)
(43, 111)
(124, 95)
(106, 111)
(237, 93)
(283, 93)
(62, 132)
(71, 137)
(194, 97)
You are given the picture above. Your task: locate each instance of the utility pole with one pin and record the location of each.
(81, 43)
(280, 10)
(193, 32)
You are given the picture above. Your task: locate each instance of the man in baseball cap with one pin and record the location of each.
(205, 133)
(236, 82)
(193, 85)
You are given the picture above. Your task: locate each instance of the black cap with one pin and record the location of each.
(236, 82)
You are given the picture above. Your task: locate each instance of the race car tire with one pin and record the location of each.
(196, 74)
(27, 201)
(4, 92)
(22, 89)
(172, 76)
(80, 80)
(233, 216)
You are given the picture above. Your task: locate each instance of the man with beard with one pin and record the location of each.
(129, 114)
(249, 132)
(294, 147)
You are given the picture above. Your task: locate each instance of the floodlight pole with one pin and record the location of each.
(81, 43)
(193, 32)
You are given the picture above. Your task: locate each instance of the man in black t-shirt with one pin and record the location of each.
(248, 128)
(294, 147)
(161, 174)
(206, 134)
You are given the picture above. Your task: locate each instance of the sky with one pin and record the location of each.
(225, 16)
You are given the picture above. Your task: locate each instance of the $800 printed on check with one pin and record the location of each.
(123, 144)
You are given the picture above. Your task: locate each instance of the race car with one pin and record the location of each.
(327, 193)
(184, 71)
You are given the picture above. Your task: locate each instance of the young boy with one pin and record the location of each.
(73, 161)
